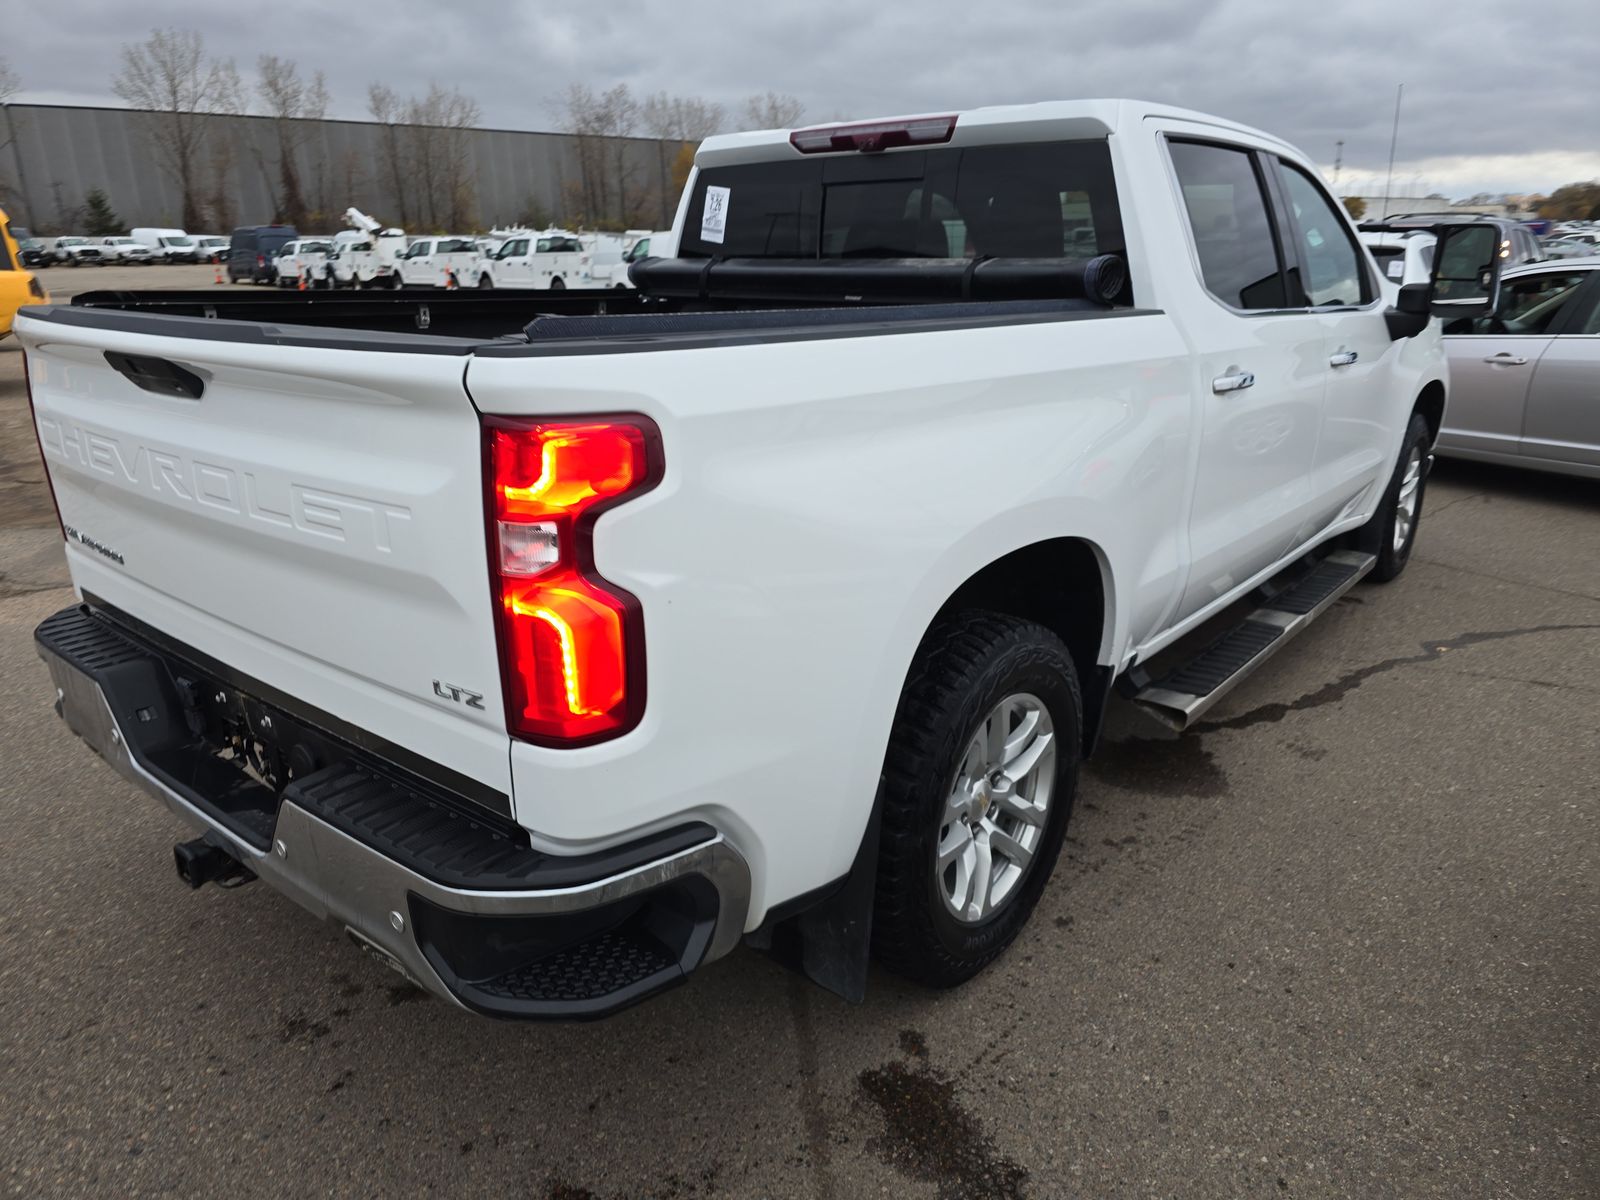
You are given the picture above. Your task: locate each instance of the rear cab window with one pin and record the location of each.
(1025, 200)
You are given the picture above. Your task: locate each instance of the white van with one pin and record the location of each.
(167, 245)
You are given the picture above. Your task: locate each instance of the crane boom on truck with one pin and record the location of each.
(374, 260)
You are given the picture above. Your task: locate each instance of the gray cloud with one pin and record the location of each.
(1481, 82)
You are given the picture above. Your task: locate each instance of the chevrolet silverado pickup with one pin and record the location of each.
(551, 646)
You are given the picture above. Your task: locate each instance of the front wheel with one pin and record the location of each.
(977, 786)
(556, 285)
(1392, 531)
(485, 283)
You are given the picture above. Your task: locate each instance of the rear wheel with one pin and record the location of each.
(1392, 531)
(485, 283)
(557, 286)
(977, 787)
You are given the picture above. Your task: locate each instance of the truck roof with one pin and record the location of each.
(1046, 120)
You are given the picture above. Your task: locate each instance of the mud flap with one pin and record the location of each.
(829, 938)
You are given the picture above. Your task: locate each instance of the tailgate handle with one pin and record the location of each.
(159, 375)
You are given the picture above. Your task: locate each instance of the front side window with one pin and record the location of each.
(1233, 236)
(1528, 305)
(1334, 276)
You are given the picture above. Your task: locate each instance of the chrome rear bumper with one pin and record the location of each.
(379, 900)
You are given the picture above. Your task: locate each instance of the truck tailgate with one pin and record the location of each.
(312, 519)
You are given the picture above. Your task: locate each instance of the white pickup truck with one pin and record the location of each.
(551, 647)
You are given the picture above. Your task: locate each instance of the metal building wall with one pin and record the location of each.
(59, 152)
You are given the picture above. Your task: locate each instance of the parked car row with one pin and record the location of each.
(137, 246)
(373, 256)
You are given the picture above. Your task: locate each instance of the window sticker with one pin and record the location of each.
(1397, 268)
(1314, 236)
(714, 217)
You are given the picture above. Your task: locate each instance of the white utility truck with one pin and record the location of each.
(304, 261)
(550, 260)
(552, 647)
(438, 262)
(371, 257)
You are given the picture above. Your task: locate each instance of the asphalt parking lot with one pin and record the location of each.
(1344, 940)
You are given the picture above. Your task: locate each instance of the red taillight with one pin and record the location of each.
(571, 644)
(870, 136)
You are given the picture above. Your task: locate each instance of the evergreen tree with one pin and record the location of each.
(98, 219)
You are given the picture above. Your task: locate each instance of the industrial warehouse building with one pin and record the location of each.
(55, 154)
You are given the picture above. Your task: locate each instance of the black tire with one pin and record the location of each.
(1377, 536)
(556, 285)
(485, 283)
(967, 664)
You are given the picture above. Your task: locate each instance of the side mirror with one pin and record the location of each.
(1411, 311)
(1464, 285)
(1466, 271)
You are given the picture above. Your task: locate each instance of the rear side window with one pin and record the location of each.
(1031, 200)
(1227, 212)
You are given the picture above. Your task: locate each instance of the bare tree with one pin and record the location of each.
(386, 109)
(439, 128)
(218, 187)
(773, 110)
(676, 122)
(293, 104)
(169, 77)
(601, 122)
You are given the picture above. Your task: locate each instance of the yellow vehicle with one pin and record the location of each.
(17, 286)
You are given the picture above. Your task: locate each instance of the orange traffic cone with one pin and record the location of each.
(301, 285)
(218, 279)
(449, 280)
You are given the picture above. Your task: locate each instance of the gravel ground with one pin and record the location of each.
(1342, 940)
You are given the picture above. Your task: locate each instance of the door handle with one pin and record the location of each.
(1506, 359)
(1343, 358)
(1234, 381)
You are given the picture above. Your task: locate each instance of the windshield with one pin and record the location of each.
(69, 241)
(181, 240)
(1031, 200)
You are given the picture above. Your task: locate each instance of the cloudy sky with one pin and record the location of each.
(1494, 100)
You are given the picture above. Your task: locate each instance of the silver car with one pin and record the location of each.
(1525, 382)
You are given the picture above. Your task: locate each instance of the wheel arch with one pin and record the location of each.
(1430, 404)
(1064, 584)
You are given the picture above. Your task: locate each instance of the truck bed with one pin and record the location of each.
(751, 299)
